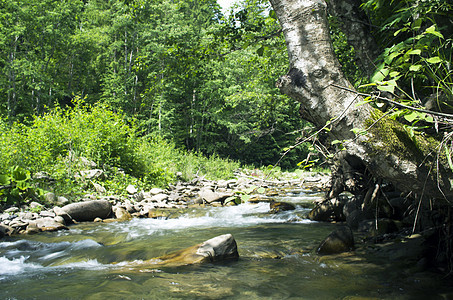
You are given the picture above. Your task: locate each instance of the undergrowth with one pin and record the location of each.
(61, 144)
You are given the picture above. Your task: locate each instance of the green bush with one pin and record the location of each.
(61, 142)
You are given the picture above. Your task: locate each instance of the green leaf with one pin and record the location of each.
(20, 174)
(414, 52)
(432, 30)
(358, 131)
(5, 180)
(245, 198)
(386, 88)
(379, 75)
(415, 68)
(366, 100)
(389, 58)
(260, 51)
(273, 15)
(434, 60)
(261, 190)
(412, 116)
(336, 142)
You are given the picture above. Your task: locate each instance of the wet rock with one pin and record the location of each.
(87, 210)
(276, 207)
(272, 193)
(44, 224)
(338, 241)
(220, 248)
(122, 215)
(59, 212)
(5, 230)
(158, 214)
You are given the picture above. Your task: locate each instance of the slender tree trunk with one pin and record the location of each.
(357, 28)
(314, 79)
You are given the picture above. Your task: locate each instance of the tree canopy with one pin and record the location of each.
(180, 69)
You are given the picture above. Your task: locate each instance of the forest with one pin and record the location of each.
(179, 70)
(183, 75)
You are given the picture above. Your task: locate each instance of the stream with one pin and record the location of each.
(276, 261)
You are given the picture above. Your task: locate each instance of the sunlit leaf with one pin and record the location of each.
(415, 68)
(412, 116)
(434, 60)
(386, 88)
(432, 30)
(414, 52)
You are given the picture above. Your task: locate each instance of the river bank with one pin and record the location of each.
(155, 203)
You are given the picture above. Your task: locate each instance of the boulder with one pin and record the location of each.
(87, 210)
(338, 241)
(220, 248)
(47, 213)
(131, 189)
(209, 196)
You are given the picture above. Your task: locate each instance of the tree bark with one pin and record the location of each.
(356, 26)
(313, 79)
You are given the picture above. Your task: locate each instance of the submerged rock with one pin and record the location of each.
(340, 240)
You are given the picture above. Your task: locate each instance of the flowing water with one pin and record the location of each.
(276, 261)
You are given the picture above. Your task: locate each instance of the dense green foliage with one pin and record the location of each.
(65, 143)
(415, 64)
(179, 69)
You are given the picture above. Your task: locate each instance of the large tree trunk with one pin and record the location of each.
(313, 79)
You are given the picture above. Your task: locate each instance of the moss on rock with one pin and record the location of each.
(394, 138)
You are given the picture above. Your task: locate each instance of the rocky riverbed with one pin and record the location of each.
(155, 203)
